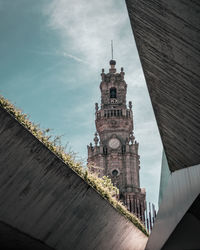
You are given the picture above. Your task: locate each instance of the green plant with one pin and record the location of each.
(103, 185)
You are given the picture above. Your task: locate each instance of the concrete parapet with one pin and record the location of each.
(45, 199)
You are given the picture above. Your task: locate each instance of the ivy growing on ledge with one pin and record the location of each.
(103, 185)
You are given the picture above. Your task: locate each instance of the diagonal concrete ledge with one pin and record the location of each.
(44, 198)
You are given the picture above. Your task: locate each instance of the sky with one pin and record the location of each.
(51, 56)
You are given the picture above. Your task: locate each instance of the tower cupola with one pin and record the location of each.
(112, 66)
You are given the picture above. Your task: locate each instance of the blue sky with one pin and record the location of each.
(52, 53)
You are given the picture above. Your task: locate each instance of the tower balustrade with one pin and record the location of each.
(107, 113)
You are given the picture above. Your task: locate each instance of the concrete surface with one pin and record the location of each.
(11, 238)
(44, 199)
(182, 190)
(167, 35)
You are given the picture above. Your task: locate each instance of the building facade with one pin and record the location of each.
(115, 150)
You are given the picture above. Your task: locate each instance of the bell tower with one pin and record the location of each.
(115, 151)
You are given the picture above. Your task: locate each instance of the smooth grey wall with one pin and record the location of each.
(11, 238)
(182, 190)
(42, 197)
(164, 177)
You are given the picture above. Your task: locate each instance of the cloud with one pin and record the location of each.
(57, 53)
(75, 58)
(90, 27)
(86, 29)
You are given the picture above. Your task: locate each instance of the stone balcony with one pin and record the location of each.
(108, 113)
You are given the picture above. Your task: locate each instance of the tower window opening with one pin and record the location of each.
(105, 150)
(114, 173)
(131, 206)
(123, 149)
(113, 93)
(140, 212)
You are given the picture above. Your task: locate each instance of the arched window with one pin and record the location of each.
(113, 93)
(115, 173)
(123, 149)
(105, 150)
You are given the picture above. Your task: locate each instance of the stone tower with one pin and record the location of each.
(115, 151)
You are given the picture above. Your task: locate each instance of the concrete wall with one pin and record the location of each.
(11, 238)
(167, 37)
(43, 198)
(182, 190)
(164, 178)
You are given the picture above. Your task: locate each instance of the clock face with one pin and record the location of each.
(114, 143)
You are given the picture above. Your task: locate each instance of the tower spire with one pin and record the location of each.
(112, 49)
(112, 62)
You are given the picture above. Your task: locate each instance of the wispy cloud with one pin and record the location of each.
(75, 58)
(90, 27)
(57, 53)
(86, 29)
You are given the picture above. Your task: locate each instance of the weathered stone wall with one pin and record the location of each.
(45, 199)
